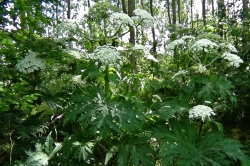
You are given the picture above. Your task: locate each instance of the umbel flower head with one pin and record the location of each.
(122, 18)
(146, 52)
(175, 43)
(234, 60)
(75, 53)
(67, 27)
(201, 112)
(30, 63)
(107, 56)
(203, 45)
(146, 19)
(228, 47)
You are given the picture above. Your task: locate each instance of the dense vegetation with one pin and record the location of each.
(124, 83)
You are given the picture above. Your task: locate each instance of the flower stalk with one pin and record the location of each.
(106, 79)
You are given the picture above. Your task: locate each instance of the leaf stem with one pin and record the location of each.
(106, 78)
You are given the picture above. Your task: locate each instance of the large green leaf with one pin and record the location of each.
(37, 159)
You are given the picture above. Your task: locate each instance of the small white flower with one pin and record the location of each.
(234, 60)
(208, 102)
(146, 52)
(76, 54)
(141, 47)
(30, 63)
(175, 43)
(202, 68)
(203, 45)
(157, 97)
(77, 80)
(187, 38)
(181, 72)
(201, 112)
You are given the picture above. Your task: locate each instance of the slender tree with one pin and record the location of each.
(124, 6)
(68, 11)
(213, 10)
(153, 29)
(179, 10)
(168, 10)
(245, 36)
(131, 8)
(204, 12)
(174, 11)
(221, 16)
(192, 17)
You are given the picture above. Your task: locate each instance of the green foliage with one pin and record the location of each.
(180, 144)
(43, 153)
(208, 88)
(135, 151)
(104, 116)
(134, 115)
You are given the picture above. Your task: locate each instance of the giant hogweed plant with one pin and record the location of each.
(203, 64)
(196, 141)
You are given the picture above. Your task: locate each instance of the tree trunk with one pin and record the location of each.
(174, 11)
(131, 8)
(89, 4)
(192, 16)
(204, 12)
(57, 19)
(118, 4)
(212, 7)
(245, 35)
(179, 11)
(68, 11)
(221, 16)
(168, 8)
(124, 6)
(152, 14)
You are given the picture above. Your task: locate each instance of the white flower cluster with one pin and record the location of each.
(156, 97)
(122, 18)
(234, 60)
(77, 80)
(140, 47)
(98, 99)
(146, 52)
(30, 63)
(201, 112)
(67, 28)
(76, 54)
(187, 38)
(181, 72)
(229, 47)
(203, 45)
(107, 56)
(175, 43)
(200, 68)
(145, 17)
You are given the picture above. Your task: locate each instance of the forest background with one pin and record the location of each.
(124, 82)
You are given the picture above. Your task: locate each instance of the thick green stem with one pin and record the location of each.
(106, 78)
(200, 128)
